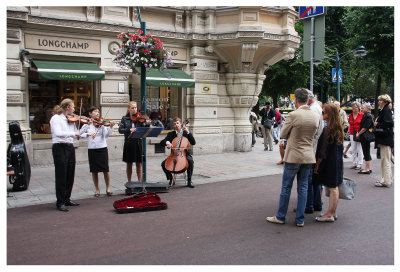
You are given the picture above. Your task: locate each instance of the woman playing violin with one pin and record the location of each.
(177, 123)
(133, 149)
(63, 134)
(97, 148)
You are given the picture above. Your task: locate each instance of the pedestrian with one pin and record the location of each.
(329, 166)
(133, 149)
(254, 127)
(385, 139)
(354, 120)
(63, 133)
(343, 116)
(366, 124)
(97, 149)
(299, 130)
(314, 199)
(267, 122)
(279, 119)
(282, 147)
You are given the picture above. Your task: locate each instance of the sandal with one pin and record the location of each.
(109, 193)
(96, 194)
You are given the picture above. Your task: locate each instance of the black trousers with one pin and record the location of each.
(189, 170)
(64, 164)
(366, 148)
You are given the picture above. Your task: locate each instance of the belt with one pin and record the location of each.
(63, 144)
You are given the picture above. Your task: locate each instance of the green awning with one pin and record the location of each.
(168, 78)
(52, 70)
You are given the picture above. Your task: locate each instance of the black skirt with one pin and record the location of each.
(98, 160)
(133, 150)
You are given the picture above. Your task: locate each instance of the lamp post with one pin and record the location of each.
(358, 52)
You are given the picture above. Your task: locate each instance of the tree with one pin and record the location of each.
(374, 28)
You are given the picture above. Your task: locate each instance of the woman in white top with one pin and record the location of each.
(97, 149)
(63, 133)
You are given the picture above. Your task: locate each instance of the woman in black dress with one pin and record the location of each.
(329, 165)
(133, 149)
(366, 123)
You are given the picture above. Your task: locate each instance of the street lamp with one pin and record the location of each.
(358, 52)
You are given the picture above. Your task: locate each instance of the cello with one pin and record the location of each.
(177, 161)
(18, 159)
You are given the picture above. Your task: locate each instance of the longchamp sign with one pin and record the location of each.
(63, 44)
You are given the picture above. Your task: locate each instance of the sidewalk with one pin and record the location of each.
(207, 169)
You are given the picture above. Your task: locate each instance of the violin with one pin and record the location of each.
(73, 118)
(102, 122)
(177, 161)
(138, 117)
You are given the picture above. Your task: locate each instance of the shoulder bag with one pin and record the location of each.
(347, 189)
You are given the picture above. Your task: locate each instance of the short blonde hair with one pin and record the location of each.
(357, 104)
(385, 97)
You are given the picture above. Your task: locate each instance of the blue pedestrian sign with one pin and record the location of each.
(334, 79)
(310, 11)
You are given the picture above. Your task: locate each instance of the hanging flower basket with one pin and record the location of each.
(137, 49)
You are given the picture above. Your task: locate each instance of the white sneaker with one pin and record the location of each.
(275, 220)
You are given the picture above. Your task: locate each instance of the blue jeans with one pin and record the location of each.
(290, 171)
(313, 194)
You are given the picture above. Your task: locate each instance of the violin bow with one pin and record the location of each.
(80, 114)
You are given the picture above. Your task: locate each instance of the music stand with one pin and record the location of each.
(136, 187)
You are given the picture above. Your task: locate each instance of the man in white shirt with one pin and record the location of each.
(63, 134)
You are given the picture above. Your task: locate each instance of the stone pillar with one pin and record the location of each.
(242, 89)
(202, 102)
(17, 86)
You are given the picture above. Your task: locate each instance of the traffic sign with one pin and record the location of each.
(334, 79)
(307, 11)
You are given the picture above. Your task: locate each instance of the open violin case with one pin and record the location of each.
(140, 203)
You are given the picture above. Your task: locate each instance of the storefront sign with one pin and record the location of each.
(206, 65)
(64, 44)
(177, 53)
(206, 88)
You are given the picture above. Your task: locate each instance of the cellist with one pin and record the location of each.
(177, 124)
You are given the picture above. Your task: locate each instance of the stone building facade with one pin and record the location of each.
(224, 49)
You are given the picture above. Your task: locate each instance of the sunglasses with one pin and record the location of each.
(323, 112)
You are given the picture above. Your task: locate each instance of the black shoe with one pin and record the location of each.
(62, 208)
(190, 184)
(309, 211)
(70, 203)
(318, 209)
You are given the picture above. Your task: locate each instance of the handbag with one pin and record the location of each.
(268, 123)
(347, 189)
(380, 131)
(368, 136)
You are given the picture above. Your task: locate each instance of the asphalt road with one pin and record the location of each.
(219, 223)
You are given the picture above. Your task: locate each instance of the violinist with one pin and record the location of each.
(177, 124)
(133, 149)
(63, 134)
(97, 134)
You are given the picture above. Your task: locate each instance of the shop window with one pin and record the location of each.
(45, 94)
(163, 103)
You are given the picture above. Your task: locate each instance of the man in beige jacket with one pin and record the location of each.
(299, 130)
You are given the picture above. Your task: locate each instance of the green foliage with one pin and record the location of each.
(346, 29)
